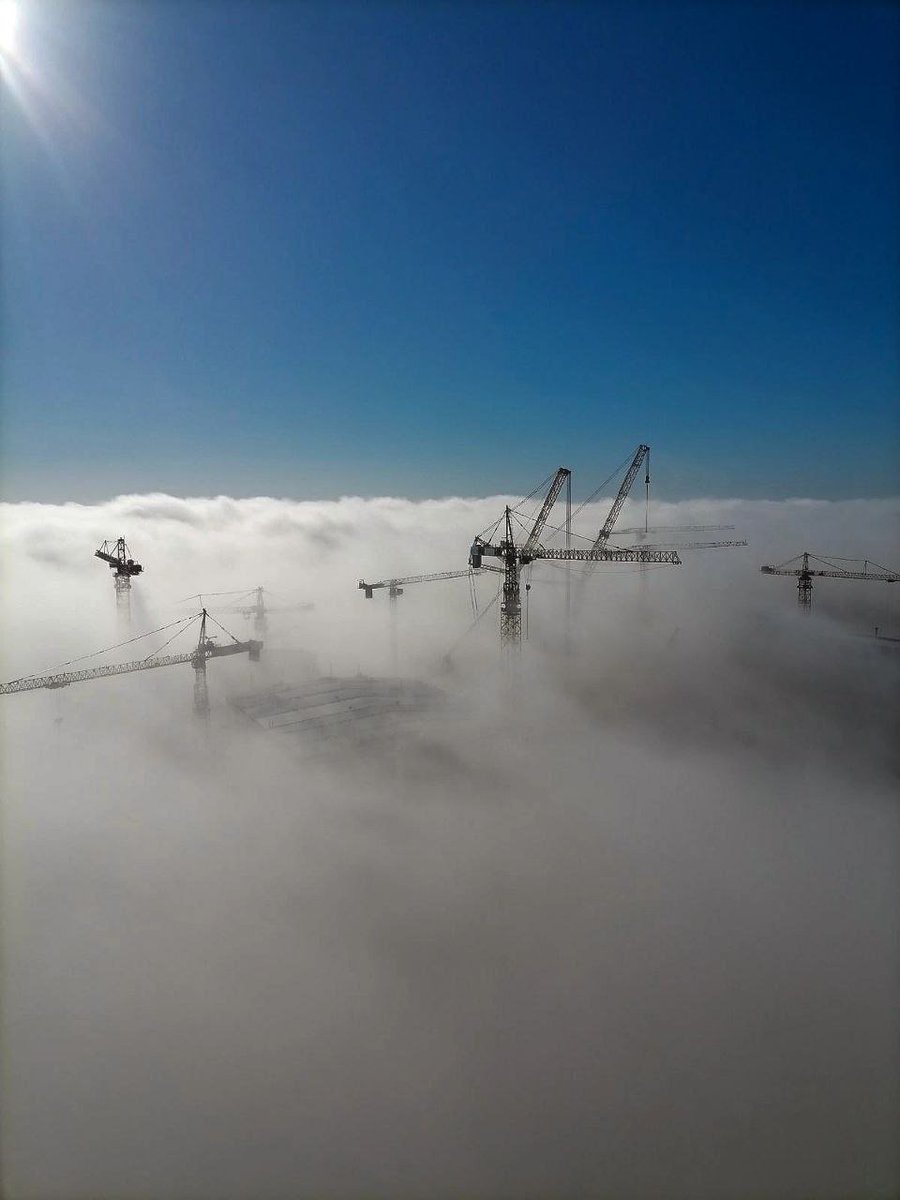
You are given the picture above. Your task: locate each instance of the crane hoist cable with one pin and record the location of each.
(200, 595)
(178, 632)
(593, 496)
(489, 532)
(210, 617)
(487, 608)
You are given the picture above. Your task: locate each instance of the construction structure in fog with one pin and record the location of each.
(251, 603)
(514, 557)
(642, 531)
(205, 649)
(395, 588)
(804, 573)
(690, 545)
(117, 557)
(329, 714)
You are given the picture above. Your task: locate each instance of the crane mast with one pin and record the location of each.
(692, 545)
(511, 602)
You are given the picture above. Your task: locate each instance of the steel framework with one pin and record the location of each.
(116, 556)
(206, 649)
(514, 557)
(804, 574)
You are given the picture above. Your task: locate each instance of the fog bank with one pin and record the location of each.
(622, 925)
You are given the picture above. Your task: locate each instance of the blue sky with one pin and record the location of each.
(428, 249)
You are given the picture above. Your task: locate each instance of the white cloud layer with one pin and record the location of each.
(626, 926)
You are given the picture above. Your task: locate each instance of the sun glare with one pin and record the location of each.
(9, 24)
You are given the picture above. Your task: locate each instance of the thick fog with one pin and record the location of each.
(619, 922)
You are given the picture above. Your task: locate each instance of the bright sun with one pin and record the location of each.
(9, 22)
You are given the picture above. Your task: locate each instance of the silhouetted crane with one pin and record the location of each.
(515, 557)
(804, 573)
(116, 556)
(205, 649)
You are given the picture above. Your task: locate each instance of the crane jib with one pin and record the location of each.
(194, 657)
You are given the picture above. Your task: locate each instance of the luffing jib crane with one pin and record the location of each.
(116, 556)
(804, 573)
(515, 557)
(206, 648)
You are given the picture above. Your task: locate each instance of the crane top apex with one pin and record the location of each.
(115, 555)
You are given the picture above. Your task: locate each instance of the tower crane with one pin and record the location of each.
(205, 649)
(116, 555)
(258, 609)
(804, 573)
(515, 557)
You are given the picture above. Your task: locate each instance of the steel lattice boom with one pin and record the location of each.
(643, 529)
(395, 586)
(640, 454)
(693, 545)
(206, 648)
(533, 541)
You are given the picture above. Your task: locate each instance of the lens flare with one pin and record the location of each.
(9, 26)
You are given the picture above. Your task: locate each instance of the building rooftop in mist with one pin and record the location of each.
(354, 708)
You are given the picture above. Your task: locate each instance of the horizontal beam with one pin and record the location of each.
(691, 545)
(63, 679)
(882, 577)
(383, 583)
(66, 677)
(602, 555)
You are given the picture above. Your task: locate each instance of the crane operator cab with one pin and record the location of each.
(475, 555)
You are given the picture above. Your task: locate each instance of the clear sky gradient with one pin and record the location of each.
(426, 249)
